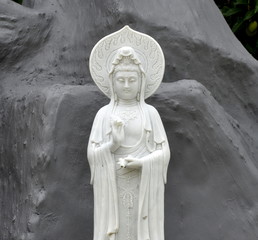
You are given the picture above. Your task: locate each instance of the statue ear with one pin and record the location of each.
(115, 96)
(138, 97)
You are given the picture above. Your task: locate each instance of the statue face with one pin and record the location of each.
(126, 84)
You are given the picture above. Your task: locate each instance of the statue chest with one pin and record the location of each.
(133, 128)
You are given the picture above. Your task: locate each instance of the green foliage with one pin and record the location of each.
(242, 17)
(18, 1)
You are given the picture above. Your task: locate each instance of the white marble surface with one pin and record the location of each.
(128, 149)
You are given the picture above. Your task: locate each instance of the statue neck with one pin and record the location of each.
(127, 103)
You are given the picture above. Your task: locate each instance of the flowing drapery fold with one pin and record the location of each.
(153, 177)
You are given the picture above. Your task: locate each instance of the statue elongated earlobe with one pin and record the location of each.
(138, 97)
(115, 96)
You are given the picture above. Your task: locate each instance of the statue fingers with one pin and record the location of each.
(131, 159)
(133, 165)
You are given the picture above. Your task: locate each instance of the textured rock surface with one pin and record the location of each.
(45, 117)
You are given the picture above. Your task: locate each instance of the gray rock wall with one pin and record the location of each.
(48, 103)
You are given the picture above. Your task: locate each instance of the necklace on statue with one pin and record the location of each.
(127, 115)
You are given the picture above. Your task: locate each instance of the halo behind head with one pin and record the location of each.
(122, 48)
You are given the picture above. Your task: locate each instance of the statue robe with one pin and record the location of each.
(150, 225)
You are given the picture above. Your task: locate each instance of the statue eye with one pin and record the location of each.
(132, 79)
(120, 79)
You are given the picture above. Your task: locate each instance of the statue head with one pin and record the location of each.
(126, 74)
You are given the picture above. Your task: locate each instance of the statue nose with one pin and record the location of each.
(126, 84)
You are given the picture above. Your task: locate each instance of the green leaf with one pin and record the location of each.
(237, 25)
(249, 14)
(231, 11)
(256, 6)
(241, 2)
(249, 48)
(224, 9)
(18, 1)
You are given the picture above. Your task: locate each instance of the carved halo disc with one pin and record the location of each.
(147, 49)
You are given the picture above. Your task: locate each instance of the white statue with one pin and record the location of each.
(128, 149)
